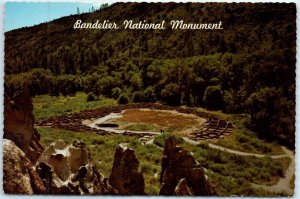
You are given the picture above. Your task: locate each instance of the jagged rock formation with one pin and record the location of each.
(19, 176)
(181, 173)
(69, 169)
(125, 176)
(19, 121)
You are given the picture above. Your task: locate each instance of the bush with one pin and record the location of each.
(160, 140)
(242, 138)
(203, 145)
(91, 97)
(145, 168)
(171, 94)
(149, 94)
(116, 92)
(138, 96)
(98, 141)
(123, 99)
(213, 97)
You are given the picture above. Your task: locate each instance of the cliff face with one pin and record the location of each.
(19, 121)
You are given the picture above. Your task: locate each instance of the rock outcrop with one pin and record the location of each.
(125, 176)
(181, 173)
(19, 175)
(19, 121)
(182, 188)
(69, 169)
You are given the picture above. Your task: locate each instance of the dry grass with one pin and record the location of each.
(169, 121)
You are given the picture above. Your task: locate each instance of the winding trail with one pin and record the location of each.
(283, 184)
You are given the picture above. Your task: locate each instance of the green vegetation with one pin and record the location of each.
(160, 139)
(248, 71)
(231, 174)
(139, 127)
(228, 186)
(244, 168)
(123, 99)
(46, 106)
(243, 139)
(242, 70)
(91, 97)
(213, 97)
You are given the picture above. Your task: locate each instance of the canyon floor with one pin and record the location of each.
(236, 160)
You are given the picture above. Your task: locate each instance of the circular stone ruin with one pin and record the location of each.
(145, 120)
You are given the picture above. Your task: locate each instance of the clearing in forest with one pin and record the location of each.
(156, 120)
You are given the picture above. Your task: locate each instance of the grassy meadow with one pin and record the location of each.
(243, 139)
(46, 106)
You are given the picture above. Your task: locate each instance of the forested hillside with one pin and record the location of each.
(248, 67)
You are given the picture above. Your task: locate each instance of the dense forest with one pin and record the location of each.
(248, 67)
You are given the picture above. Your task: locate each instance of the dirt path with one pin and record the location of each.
(283, 184)
(214, 146)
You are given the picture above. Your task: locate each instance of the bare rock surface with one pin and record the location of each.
(125, 176)
(19, 121)
(181, 173)
(182, 188)
(19, 176)
(69, 169)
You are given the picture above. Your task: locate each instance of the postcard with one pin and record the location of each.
(149, 99)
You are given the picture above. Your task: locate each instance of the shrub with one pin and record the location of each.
(123, 99)
(242, 138)
(171, 94)
(145, 168)
(97, 141)
(217, 168)
(149, 94)
(203, 145)
(116, 92)
(213, 97)
(138, 96)
(160, 140)
(91, 97)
